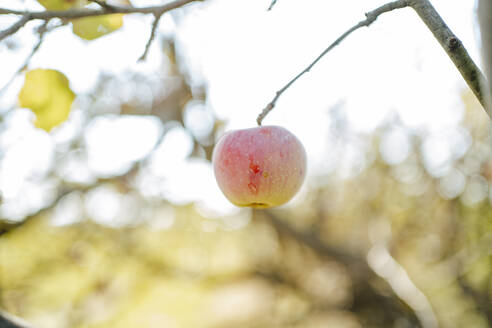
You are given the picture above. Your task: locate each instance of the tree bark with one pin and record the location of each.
(485, 22)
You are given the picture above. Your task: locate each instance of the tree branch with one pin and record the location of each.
(451, 44)
(15, 27)
(453, 47)
(79, 13)
(152, 36)
(41, 32)
(370, 18)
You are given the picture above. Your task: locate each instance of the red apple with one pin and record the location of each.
(259, 167)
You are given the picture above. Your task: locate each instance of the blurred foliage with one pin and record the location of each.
(90, 28)
(394, 245)
(47, 93)
(61, 4)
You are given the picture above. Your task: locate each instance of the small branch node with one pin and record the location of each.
(41, 30)
(453, 43)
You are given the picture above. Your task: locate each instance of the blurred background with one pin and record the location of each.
(113, 218)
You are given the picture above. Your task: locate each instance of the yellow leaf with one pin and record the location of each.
(90, 28)
(47, 93)
(60, 4)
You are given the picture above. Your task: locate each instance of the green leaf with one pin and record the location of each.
(47, 93)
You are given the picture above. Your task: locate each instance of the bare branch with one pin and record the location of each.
(453, 47)
(83, 12)
(14, 28)
(41, 32)
(451, 44)
(370, 18)
(151, 38)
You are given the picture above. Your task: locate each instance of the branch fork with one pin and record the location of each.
(449, 42)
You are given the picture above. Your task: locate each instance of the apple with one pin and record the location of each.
(259, 167)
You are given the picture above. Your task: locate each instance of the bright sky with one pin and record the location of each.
(244, 54)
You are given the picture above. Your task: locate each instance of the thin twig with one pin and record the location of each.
(157, 18)
(370, 18)
(41, 32)
(272, 4)
(83, 12)
(15, 27)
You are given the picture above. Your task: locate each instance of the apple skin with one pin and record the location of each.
(259, 167)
